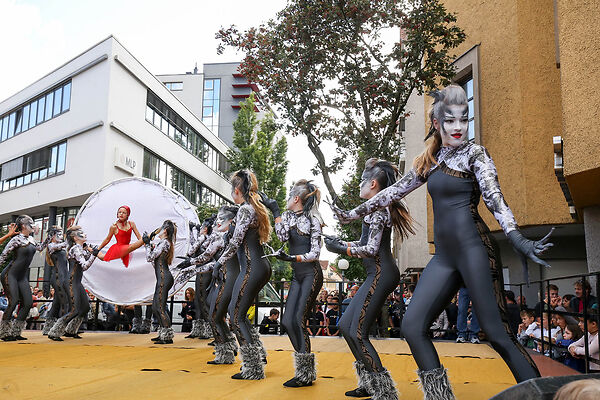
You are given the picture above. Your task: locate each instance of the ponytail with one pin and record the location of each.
(246, 182)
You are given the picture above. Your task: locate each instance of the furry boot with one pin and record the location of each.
(165, 335)
(232, 344)
(73, 327)
(256, 339)
(252, 365)
(136, 325)
(58, 329)
(223, 354)
(361, 375)
(6, 331)
(381, 386)
(16, 328)
(435, 384)
(306, 372)
(205, 330)
(196, 327)
(146, 326)
(48, 325)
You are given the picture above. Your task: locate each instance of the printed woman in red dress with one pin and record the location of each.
(121, 230)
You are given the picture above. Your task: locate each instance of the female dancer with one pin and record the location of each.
(80, 257)
(12, 231)
(382, 278)
(15, 278)
(300, 226)
(252, 228)
(457, 172)
(56, 256)
(121, 230)
(161, 256)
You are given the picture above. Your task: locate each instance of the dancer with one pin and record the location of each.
(252, 228)
(382, 278)
(457, 172)
(15, 278)
(300, 226)
(161, 256)
(80, 256)
(139, 324)
(121, 230)
(56, 256)
(12, 231)
(199, 240)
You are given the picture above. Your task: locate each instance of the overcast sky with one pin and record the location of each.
(167, 37)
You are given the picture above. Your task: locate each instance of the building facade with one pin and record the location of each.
(103, 116)
(530, 85)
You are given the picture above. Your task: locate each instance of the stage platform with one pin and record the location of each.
(118, 365)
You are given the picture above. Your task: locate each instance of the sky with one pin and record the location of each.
(165, 36)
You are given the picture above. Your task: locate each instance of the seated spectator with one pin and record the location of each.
(584, 389)
(582, 289)
(408, 294)
(351, 293)
(526, 328)
(554, 301)
(396, 313)
(270, 324)
(577, 349)
(544, 332)
(566, 302)
(332, 317)
(316, 322)
(522, 302)
(572, 333)
(513, 311)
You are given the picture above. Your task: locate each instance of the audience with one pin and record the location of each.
(577, 349)
(270, 324)
(188, 311)
(316, 321)
(582, 289)
(333, 315)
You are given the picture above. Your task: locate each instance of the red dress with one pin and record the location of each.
(119, 249)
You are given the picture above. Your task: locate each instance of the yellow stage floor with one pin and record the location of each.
(123, 366)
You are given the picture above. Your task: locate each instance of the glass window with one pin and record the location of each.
(53, 157)
(66, 98)
(20, 181)
(162, 172)
(157, 120)
(208, 84)
(57, 101)
(169, 177)
(32, 113)
(26, 179)
(25, 118)
(149, 114)
(4, 128)
(19, 123)
(43, 173)
(49, 102)
(35, 176)
(62, 157)
(11, 124)
(206, 112)
(164, 126)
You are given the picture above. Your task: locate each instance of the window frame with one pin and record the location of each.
(467, 65)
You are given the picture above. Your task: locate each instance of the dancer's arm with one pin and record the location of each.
(135, 230)
(376, 223)
(111, 232)
(15, 242)
(243, 219)
(53, 246)
(12, 230)
(315, 243)
(196, 244)
(282, 227)
(396, 192)
(153, 253)
(215, 244)
(79, 254)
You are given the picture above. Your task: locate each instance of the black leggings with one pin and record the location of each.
(164, 282)
(219, 298)
(365, 307)
(306, 283)
(439, 282)
(137, 312)
(60, 283)
(201, 303)
(80, 303)
(15, 280)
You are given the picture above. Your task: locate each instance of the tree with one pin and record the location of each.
(328, 68)
(257, 148)
(205, 211)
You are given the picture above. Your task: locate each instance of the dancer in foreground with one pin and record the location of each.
(80, 257)
(382, 278)
(12, 231)
(300, 226)
(457, 172)
(252, 228)
(121, 230)
(56, 256)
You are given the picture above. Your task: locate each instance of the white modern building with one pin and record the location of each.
(103, 116)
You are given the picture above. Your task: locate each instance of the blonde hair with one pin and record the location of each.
(51, 232)
(310, 197)
(450, 95)
(585, 389)
(246, 182)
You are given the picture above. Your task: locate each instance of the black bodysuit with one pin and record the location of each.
(60, 279)
(157, 255)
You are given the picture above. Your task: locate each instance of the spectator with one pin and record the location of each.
(396, 313)
(188, 311)
(111, 316)
(466, 331)
(351, 293)
(577, 349)
(270, 324)
(572, 333)
(522, 302)
(327, 306)
(566, 302)
(410, 289)
(316, 322)
(452, 313)
(545, 332)
(332, 317)
(581, 289)
(554, 301)
(527, 327)
(512, 309)
(584, 389)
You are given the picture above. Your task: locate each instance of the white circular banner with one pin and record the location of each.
(151, 204)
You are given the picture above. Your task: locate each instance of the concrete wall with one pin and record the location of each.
(191, 95)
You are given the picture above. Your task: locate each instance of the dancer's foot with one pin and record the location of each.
(155, 339)
(73, 335)
(9, 338)
(55, 338)
(294, 382)
(237, 376)
(358, 392)
(166, 341)
(20, 338)
(211, 343)
(191, 336)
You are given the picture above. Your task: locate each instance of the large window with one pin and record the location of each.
(467, 76)
(40, 164)
(46, 106)
(174, 86)
(210, 104)
(159, 170)
(467, 85)
(172, 125)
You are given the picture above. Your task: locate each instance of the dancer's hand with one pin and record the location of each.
(153, 234)
(216, 272)
(270, 204)
(184, 264)
(531, 249)
(336, 245)
(145, 238)
(192, 225)
(283, 256)
(338, 213)
(94, 250)
(12, 229)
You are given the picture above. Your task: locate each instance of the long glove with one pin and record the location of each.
(335, 245)
(283, 256)
(216, 272)
(145, 238)
(270, 204)
(526, 248)
(184, 264)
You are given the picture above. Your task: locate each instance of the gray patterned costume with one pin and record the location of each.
(157, 256)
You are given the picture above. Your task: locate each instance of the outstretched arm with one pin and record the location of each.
(53, 246)
(153, 253)
(12, 230)
(396, 192)
(369, 250)
(111, 232)
(83, 259)
(135, 230)
(216, 244)
(10, 247)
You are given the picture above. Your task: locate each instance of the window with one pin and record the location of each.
(37, 165)
(467, 76)
(161, 171)
(467, 85)
(47, 106)
(210, 104)
(174, 86)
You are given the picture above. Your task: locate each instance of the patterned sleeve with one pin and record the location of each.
(396, 192)
(52, 246)
(315, 242)
(195, 244)
(282, 228)
(13, 243)
(41, 246)
(376, 227)
(79, 254)
(484, 169)
(152, 253)
(243, 219)
(214, 245)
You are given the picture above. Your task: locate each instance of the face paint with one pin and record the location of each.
(80, 234)
(454, 127)
(222, 221)
(58, 237)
